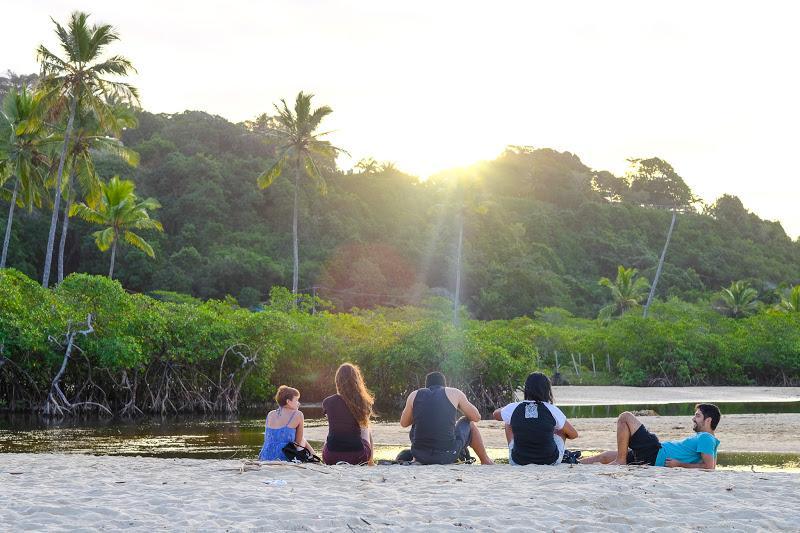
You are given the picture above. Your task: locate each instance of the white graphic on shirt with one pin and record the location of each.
(531, 410)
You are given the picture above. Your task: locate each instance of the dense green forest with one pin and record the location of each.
(540, 229)
(170, 239)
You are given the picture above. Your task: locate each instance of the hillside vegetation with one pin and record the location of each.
(540, 228)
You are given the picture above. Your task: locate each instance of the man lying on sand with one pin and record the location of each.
(436, 436)
(636, 445)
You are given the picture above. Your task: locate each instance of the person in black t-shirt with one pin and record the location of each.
(436, 436)
(535, 428)
(348, 411)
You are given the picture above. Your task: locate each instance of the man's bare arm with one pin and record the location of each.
(709, 463)
(469, 410)
(407, 416)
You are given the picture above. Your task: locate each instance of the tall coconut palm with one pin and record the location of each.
(737, 301)
(22, 159)
(790, 300)
(121, 211)
(652, 293)
(627, 291)
(300, 147)
(87, 139)
(80, 80)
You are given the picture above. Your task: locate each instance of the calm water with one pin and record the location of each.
(240, 438)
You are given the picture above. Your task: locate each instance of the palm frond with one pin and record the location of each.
(268, 176)
(104, 238)
(313, 172)
(138, 242)
(87, 213)
(317, 116)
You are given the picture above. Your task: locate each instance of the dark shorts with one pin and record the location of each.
(463, 436)
(643, 447)
(354, 458)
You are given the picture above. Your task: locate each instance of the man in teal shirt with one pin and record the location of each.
(636, 445)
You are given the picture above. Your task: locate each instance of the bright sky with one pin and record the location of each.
(712, 87)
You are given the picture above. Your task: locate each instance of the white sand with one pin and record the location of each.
(632, 395)
(68, 492)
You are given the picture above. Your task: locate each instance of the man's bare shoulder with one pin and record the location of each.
(454, 395)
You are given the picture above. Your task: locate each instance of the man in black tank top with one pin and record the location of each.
(437, 437)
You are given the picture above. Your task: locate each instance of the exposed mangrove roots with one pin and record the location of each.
(161, 387)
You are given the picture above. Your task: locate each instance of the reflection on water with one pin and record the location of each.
(241, 438)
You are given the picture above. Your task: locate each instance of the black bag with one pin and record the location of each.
(571, 457)
(297, 454)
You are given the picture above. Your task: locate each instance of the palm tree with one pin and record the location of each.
(87, 139)
(80, 80)
(660, 265)
(121, 211)
(299, 147)
(22, 161)
(368, 165)
(627, 291)
(737, 301)
(790, 300)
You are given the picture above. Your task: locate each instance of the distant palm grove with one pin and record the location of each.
(532, 260)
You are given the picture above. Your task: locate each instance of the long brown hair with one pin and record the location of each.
(350, 386)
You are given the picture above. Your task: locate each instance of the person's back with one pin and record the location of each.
(344, 433)
(275, 438)
(535, 428)
(283, 426)
(436, 436)
(434, 419)
(348, 411)
(534, 425)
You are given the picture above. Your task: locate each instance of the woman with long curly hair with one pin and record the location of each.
(348, 411)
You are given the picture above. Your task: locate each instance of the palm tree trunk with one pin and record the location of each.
(7, 238)
(295, 249)
(65, 225)
(458, 268)
(113, 256)
(660, 266)
(51, 238)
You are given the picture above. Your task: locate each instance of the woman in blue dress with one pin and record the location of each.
(283, 425)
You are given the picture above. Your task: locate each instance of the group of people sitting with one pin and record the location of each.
(536, 430)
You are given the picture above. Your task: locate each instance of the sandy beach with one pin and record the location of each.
(60, 492)
(68, 492)
(603, 395)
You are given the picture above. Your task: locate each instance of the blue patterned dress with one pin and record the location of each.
(275, 439)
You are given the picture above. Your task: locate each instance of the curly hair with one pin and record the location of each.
(350, 386)
(285, 394)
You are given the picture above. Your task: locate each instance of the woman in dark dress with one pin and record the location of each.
(348, 411)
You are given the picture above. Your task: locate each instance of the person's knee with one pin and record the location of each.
(625, 417)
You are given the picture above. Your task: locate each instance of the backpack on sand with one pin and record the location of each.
(297, 454)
